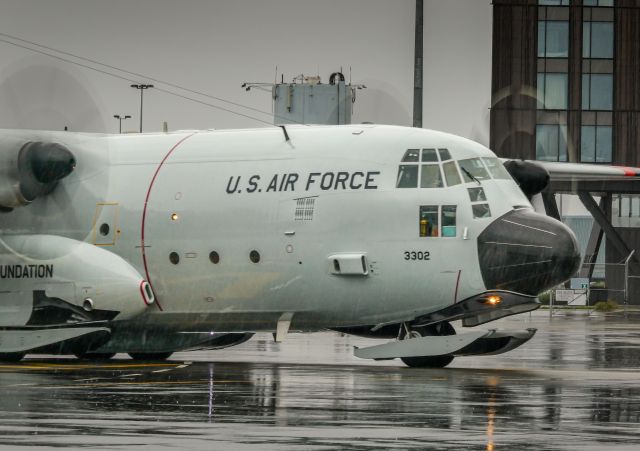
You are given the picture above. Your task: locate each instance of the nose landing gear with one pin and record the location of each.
(438, 361)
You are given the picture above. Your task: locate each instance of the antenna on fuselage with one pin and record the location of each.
(284, 130)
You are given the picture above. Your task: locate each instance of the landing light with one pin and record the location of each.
(174, 217)
(492, 300)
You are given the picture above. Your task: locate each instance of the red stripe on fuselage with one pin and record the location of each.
(144, 214)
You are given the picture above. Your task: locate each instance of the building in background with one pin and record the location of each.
(566, 87)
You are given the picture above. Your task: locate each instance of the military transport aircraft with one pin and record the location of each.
(154, 243)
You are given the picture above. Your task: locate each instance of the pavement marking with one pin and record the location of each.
(62, 366)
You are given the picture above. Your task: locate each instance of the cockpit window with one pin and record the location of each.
(407, 176)
(449, 220)
(451, 173)
(477, 195)
(444, 154)
(496, 168)
(430, 176)
(429, 224)
(481, 211)
(411, 156)
(475, 167)
(429, 156)
(429, 220)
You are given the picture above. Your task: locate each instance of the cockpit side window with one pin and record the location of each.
(496, 168)
(436, 221)
(429, 220)
(449, 220)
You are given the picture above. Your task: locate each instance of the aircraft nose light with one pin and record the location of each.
(527, 252)
(492, 300)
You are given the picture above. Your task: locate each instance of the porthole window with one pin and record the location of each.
(254, 256)
(214, 257)
(174, 258)
(104, 229)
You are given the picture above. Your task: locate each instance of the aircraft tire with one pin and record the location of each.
(150, 355)
(11, 357)
(95, 355)
(438, 361)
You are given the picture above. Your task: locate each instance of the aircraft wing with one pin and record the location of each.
(581, 171)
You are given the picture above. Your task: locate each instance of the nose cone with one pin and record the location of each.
(526, 252)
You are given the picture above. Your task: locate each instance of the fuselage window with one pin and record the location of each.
(411, 156)
(477, 195)
(448, 220)
(451, 173)
(481, 211)
(407, 176)
(496, 168)
(444, 154)
(429, 220)
(430, 176)
(429, 156)
(474, 167)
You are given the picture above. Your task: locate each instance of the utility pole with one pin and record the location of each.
(418, 65)
(141, 88)
(120, 119)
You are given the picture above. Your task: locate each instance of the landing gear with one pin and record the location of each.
(11, 357)
(439, 361)
(94, 355)
(150, 355)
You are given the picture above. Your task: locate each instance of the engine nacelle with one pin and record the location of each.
(531, 177)
(49, 279)
(29, 170)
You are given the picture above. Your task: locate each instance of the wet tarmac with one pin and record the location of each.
(575, 385)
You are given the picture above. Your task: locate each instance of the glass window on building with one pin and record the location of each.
(553, 39)
(554, 2)
(597, 92)
(597, 40)
(552, 91)
(596, 144)
(597, 2)
(551, 142)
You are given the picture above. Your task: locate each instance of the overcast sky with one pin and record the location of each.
(214, 46)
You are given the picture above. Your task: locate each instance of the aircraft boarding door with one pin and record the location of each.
(105, 224)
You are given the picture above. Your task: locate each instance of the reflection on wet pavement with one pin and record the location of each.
(576, 385)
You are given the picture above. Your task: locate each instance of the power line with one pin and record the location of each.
(130, 80)
(173, 85)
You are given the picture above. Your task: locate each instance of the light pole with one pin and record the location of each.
(141, 88)
(120, 119)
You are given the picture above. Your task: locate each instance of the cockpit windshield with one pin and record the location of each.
(475, 168)
(496, 168)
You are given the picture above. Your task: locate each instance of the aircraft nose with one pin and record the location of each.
(527, 252)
